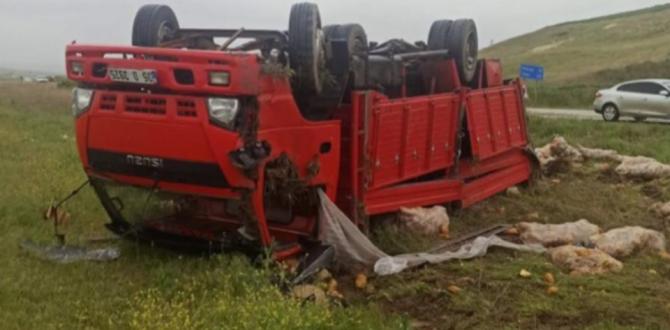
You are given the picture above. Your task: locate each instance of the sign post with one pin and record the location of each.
(532, 72)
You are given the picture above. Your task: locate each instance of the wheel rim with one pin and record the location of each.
(165, 32)
(609, 113)
(470, 51)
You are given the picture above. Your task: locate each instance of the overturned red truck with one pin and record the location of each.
(223, 137)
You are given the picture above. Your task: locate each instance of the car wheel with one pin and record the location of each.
(153, 25)
(611, 113)
(306, 43)
(461, 39)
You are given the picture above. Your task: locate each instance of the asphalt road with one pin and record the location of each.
(581, 115)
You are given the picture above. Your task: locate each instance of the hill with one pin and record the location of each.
(599, 51)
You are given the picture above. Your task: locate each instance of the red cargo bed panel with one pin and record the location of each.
(410, 139)
(495, 121)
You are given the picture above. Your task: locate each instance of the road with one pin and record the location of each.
(581, 115)
(565, 113)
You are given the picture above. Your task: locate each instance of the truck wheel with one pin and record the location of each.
(355, 58)
(154, 24)
(306, 44)
(460, 38)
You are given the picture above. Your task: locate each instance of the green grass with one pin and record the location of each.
(584, 56)
(160, 289)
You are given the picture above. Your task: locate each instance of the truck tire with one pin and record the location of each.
(460, 38)
(357, 52)
(306, 43)
(154, 24)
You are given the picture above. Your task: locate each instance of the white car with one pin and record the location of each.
(640, 99)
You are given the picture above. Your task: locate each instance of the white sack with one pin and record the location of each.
(622, 242)
(555, 235)
(583, 261)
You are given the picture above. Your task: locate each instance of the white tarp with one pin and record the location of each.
(352, 246)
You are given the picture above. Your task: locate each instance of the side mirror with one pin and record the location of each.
(664, 93)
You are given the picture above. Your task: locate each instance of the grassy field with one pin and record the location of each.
(151, 288)
(584, 56)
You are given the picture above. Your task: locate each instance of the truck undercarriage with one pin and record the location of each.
(186, 139)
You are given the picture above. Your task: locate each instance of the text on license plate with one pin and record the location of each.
(147, 77)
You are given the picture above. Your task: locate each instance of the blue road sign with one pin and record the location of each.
(531, 72)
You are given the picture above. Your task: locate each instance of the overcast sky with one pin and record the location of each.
(34, 32)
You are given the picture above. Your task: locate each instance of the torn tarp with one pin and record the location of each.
(68, 254)
(352, 246)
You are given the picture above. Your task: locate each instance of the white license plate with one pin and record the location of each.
(146, 77)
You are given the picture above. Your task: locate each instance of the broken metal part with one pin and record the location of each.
(248, 158)
(69, 254)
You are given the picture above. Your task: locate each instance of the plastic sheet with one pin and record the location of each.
(68, 254)
(352, 246)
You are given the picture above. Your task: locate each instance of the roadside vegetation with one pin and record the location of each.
(584, 56)
(153, 288)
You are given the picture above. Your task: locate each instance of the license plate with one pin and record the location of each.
(145, 77)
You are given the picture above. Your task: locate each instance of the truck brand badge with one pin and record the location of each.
(143, 161)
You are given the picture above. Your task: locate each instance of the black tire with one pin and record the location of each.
(611, 113)
(154, 24)
(461, 39)
(306, 48)
(357, 52)
(437, 37)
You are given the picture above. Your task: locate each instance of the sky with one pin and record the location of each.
(34, 32)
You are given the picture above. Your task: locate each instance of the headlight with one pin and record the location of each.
(77, 68)
(81, 101)
(219, 78)
(223, 111)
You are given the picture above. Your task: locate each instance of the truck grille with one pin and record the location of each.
(186, 108)
(146, 104)
(108, 102)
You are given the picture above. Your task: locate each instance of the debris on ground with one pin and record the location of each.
(453, 289)
(584, 261)
(552, 290)
(513, 191)
(525, 274)
(577, 233)
(426, 221)
(643, 168)
(361, 281)
(661, 210)
(549, 279)
(623, 242)
(353, 247)
(599, 154)
(309, 292)
(333, 291)
(558, 156)
(68, 254)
